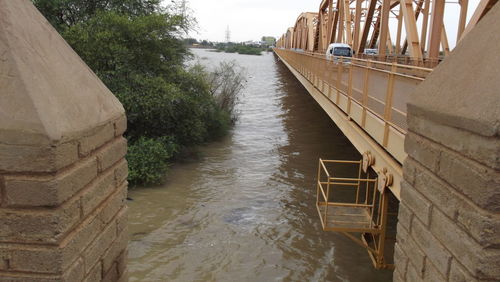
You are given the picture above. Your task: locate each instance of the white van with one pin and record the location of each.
(338, 50)
(371, 51)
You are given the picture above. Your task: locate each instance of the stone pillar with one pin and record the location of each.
(449, 221)
(62, 168)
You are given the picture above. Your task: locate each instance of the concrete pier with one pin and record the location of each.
(62, 168)
(449, 220)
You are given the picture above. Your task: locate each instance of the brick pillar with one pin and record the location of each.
(62, 168)
(449, 221)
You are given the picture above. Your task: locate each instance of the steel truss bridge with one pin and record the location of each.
(366, 97)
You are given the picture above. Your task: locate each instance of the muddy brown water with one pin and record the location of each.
(244, 209)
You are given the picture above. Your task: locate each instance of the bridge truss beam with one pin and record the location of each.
(383, 24)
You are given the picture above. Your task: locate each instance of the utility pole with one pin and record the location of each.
(182, 8)
(228, 35)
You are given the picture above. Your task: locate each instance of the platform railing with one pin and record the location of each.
(399, 59)
(364, 201)
(354, 204)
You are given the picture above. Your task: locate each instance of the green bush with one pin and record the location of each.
(226, 82)
(148, 160)
(141, 60)
(240, 49)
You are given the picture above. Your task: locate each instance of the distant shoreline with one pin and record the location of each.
(201, 47)
(236, 48)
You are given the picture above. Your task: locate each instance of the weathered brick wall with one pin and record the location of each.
(62, 167)
(63, 215)
(442, 233)
(449, 221)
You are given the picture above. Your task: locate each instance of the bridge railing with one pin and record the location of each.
(372, 93)
(403, 60)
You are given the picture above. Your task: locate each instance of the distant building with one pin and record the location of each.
(268, 40)
(253, 43)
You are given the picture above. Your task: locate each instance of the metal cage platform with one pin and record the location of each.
(352, 200)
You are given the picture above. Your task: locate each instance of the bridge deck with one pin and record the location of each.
(365, 98)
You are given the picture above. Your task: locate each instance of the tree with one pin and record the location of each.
(136, 49)
(147, 45)
(66, 13)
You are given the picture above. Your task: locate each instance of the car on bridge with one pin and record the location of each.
(336, 50)
(371, 51)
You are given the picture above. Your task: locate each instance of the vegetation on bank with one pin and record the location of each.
(136, 49)
(241, 49)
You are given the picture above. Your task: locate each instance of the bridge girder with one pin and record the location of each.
(369, 23)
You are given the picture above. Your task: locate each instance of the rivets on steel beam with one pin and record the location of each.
(368, 160)
(385, 179)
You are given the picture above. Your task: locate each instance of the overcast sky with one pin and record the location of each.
(247, 19)
(252, 19)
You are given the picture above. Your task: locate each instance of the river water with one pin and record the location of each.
(244, 210)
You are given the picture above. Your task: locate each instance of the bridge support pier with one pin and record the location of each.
(62, 168)
(449, 222)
